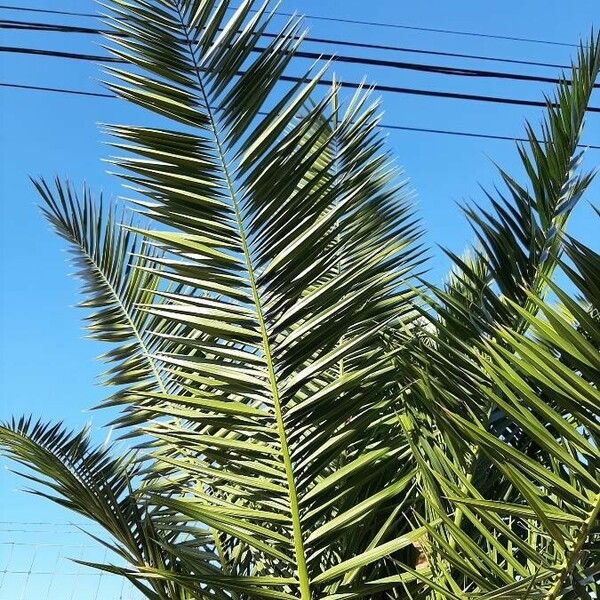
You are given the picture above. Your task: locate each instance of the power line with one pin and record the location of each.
(60, 54)
(440, 94)
(392, 89)
(390, 64)
(509, 38)
(48, 11)
(52, 27)
(383, 126)
(342, 20)
(21, 86)
(393, 48)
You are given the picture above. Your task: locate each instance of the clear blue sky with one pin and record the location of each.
(46, 366)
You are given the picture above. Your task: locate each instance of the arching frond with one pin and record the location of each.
(300, 242)
(544, 525)
(89, 481)
(506, 463)
(111, 261)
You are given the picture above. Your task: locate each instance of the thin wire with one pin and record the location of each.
(53, 576)
(60, 91)
(488, 136)
(37, 545)
(430, 52)
(28, 574)
(379, 88)
(78, 573)
(393, 64)
(509, 38)
(435, 93)
(48, 11)
(338, 20)
(8, 561)
(61, 531)
(101, 576)
(51, 27)
(383, 125)
(61, 54)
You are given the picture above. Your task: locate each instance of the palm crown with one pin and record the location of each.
(311, 420)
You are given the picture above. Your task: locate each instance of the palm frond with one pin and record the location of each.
(547, 519)
(295, 230)
(507, 383)
(110, 262)
(521, 236)
(87, 480)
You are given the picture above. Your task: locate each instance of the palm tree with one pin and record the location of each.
(310, 418)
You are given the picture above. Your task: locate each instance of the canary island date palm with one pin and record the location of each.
(307, 419)
(503, 416)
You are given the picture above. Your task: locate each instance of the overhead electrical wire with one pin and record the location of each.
(335, 20)
(476, 34)
(373, 62)
(387, 47)
(392, 127)
(60, 28)
(438, 69)
(48, 11)
(349, 84)
(41, 88)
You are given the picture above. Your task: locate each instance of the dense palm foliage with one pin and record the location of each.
(309, 418)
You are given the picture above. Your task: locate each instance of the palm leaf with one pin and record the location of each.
(300, 240)
(110, 262)
(494, 468)
(87, 480)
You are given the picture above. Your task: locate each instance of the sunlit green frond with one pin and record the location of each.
(67, 469)
(546, 522)
(498, 420)
(301, 241)
(520, 236)
(110, 261)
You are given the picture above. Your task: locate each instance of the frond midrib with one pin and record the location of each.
(126, 314)
(303, 577)
(571, 560)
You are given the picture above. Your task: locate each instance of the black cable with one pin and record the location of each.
(61, 54)
(39, 88)
(391, 64)
(51, 27)
(48, 11)
(437, 94)
(439, 69)
(387, 47)
(375, 87)
(432, 30)
(383, 125)
(341, 20)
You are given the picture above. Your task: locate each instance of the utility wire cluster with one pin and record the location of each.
(311, 55)
(331, 19)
